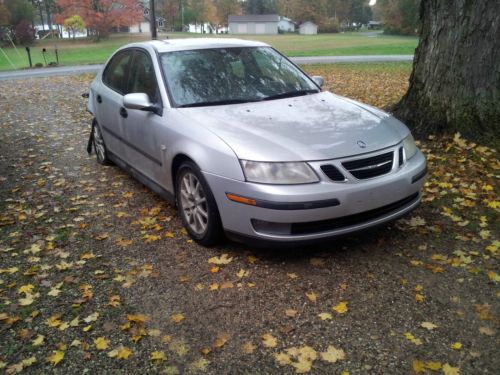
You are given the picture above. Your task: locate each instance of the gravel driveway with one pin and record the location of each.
(97, 274)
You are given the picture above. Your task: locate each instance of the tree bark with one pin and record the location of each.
(455, 82)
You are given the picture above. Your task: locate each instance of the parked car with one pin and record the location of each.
(246, 144)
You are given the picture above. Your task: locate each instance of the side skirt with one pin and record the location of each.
(165, 194)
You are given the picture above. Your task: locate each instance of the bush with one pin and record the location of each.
(24, 32)
(329, 26)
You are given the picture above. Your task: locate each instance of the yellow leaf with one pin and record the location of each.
(28, 300)
(75, 322)
(269, 341)
(158, 356)
(221, 340)
(177, 318)
(122, 352)
(493, 276)
(456, 346)
(26, 289)
(28, 361)
(292, 275)
(341, 307)
(75, 343)
(418, 366)
(312, 296)
(291, 313)
(419, 297)
(179, 347)
(91, 318)
(38, 340)
(325, 316)
(248, 347)
(412, 339)
(56, 357)
(252, 259)
(101, 343)
(114, 300)
(242, 273)
(487, 331)
(223, 259)
(123, 242)
(87, 328)
(428, 325)
(332, 354)
(282, 358)
(54, 320)
(449, 370)
(227, 285)
(213, 286)
(433, 366)
(169, 235)
(301, 367)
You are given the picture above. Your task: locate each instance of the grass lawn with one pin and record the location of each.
(86, 52)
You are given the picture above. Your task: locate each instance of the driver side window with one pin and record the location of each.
(143, 77)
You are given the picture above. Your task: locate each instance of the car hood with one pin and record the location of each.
(313, 127)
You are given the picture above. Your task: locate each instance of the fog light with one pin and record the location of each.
(267, 227)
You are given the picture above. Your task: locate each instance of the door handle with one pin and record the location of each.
(99, 99)
(123, 112)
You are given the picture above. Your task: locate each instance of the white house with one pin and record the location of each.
(144, 26)
(286, 25)
(308, 28)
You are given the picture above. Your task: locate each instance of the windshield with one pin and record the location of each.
(231, 75)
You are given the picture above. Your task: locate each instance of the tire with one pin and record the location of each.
(99, 146)
(197, 206)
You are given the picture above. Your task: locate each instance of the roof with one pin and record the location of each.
(170, 45)
(255, 18)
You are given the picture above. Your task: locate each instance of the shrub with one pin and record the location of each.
(24, 32)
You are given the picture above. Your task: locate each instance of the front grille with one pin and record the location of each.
(370, 167)
(332, 172)
(347, 221)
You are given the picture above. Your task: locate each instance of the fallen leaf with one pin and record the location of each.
(312, 296)
(223, 259)
(221, 340)
(248, 347)
(449, 370)
(158, 356)
(177, 318)
(291, 313)
(341, 307)
(428, 325)
(456, 345)
(269, 341)
(101, 343)
(332, 354)
(325, 316)
(56, 357)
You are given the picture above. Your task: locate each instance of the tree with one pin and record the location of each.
(4, 15)
(399, 16)
(24, 32)
(74, 24)
(225, 8)
(260, 6)
(455, 83)
(19, 10)
(101, 16)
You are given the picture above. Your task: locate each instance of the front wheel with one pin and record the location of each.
(197, 205)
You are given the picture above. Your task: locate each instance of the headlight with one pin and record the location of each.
(410, 147)
(278, 173)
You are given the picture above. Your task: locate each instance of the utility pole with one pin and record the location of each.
(152, 15)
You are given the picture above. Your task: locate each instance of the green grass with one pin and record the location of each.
(86, 52)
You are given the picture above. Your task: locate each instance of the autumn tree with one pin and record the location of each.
(225, 8)
(101, 16)
(74, 24)
(399, 16)
(455, 82)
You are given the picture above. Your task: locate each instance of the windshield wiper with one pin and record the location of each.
(218, 102)
(291, 94)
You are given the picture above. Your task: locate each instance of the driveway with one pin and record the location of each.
(97, 274)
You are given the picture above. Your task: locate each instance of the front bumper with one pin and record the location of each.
(327, 208)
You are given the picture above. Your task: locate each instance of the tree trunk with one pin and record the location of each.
(455, 83)
(49, 16)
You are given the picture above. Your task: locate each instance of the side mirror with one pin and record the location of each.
(141, 102)
(318, 80)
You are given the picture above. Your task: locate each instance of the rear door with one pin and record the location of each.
(109, 100)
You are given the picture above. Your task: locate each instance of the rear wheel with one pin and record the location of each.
(99, 146)
(197, 205)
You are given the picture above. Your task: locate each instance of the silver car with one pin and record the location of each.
(246, 144)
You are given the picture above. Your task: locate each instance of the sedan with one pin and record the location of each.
(246, 144)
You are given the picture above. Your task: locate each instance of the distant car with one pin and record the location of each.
(244, 142)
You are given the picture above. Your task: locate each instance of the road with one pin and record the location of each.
(81, 69)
